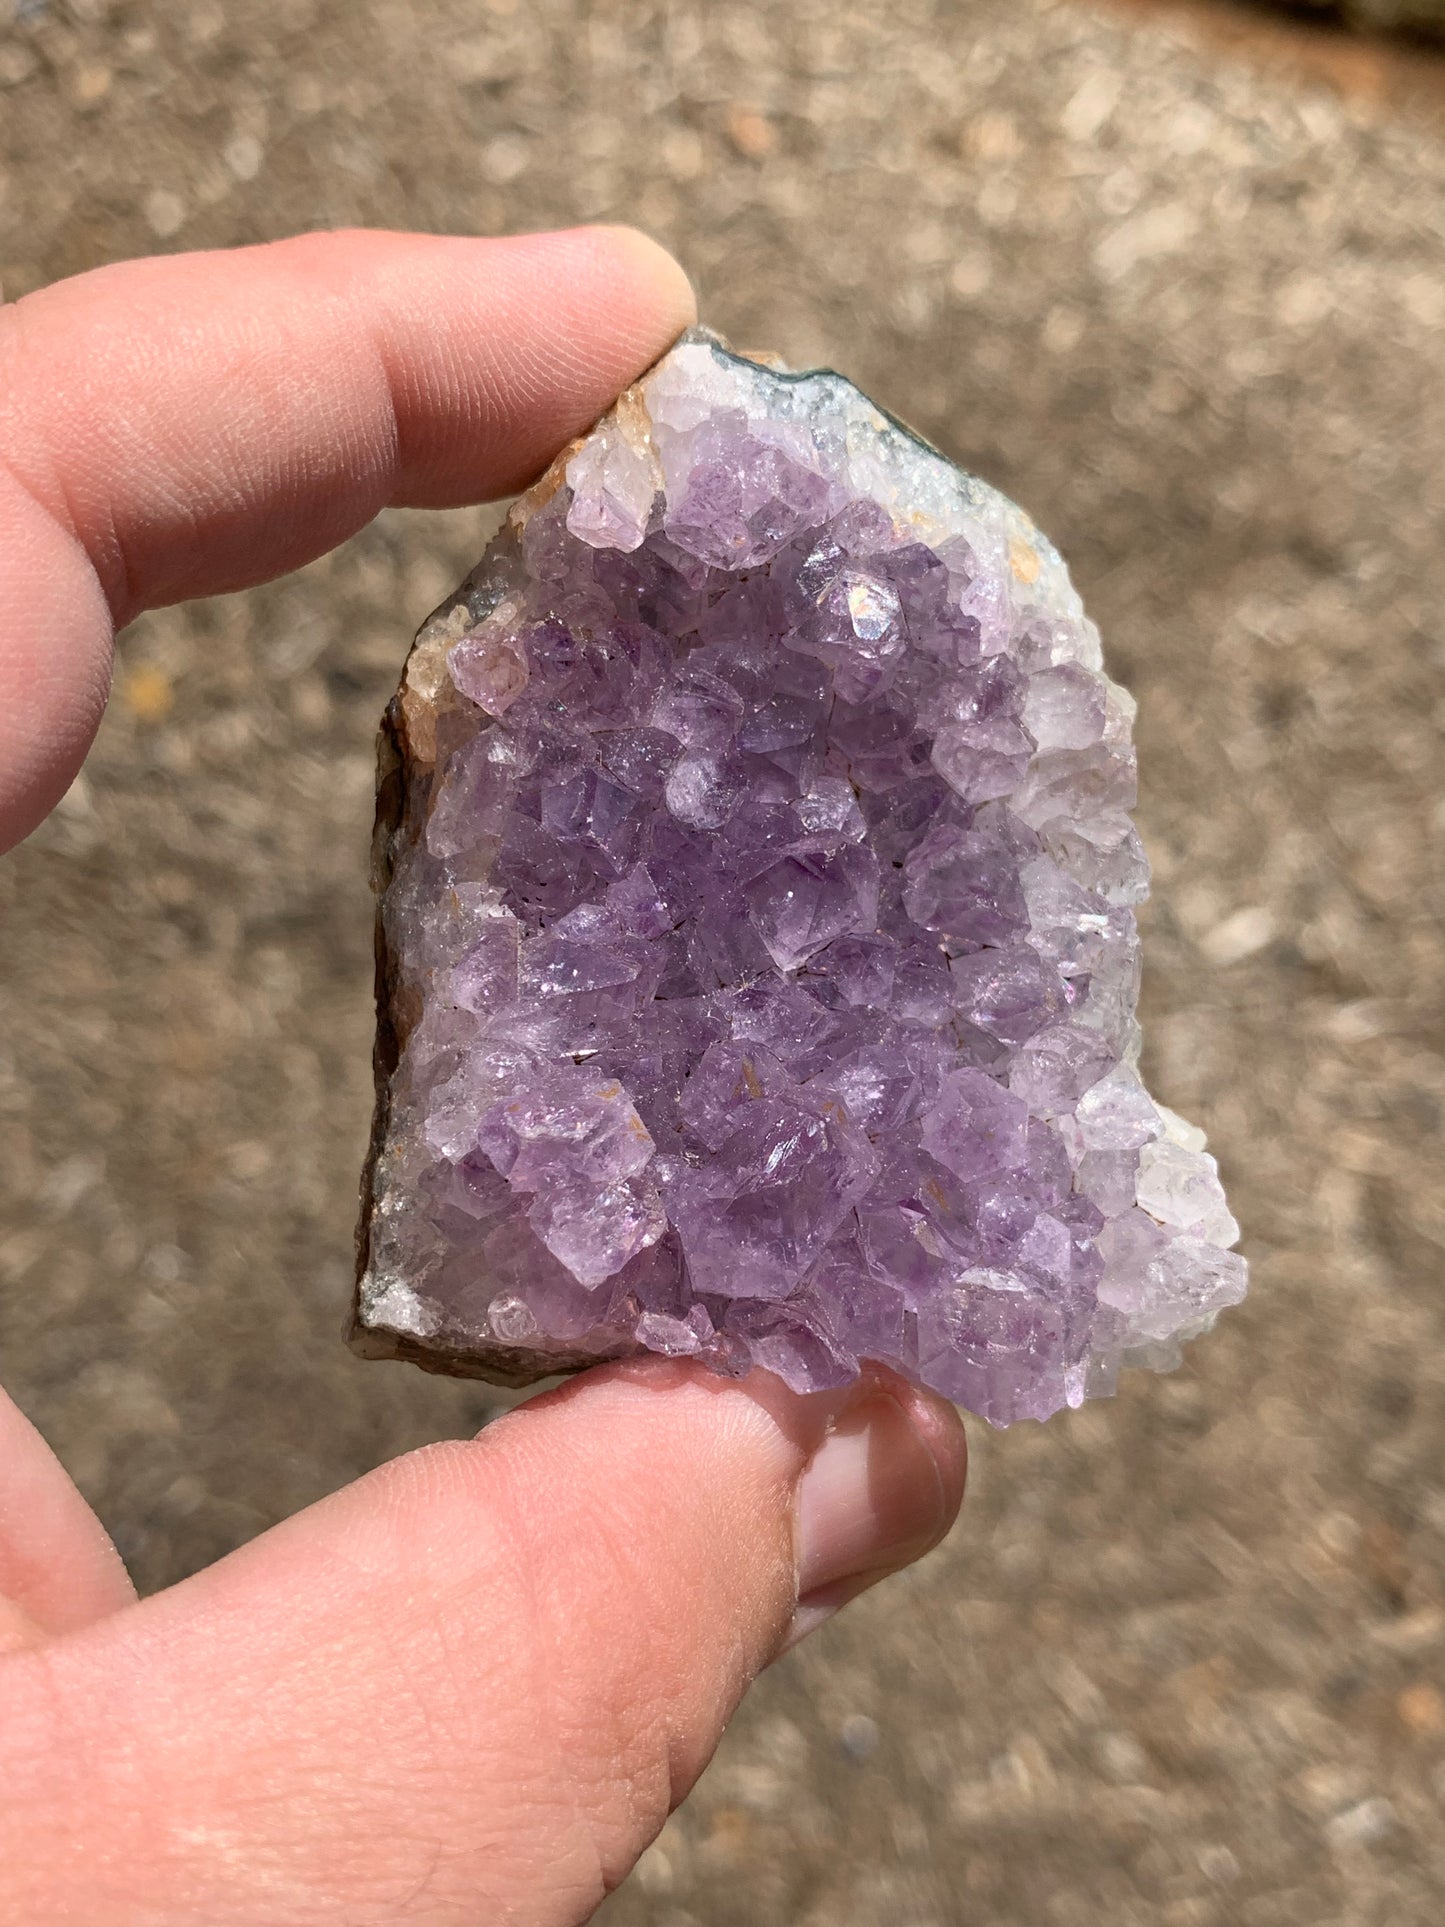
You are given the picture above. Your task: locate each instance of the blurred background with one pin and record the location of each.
(1172, 276)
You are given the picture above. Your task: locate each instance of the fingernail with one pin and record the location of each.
(872, 1498)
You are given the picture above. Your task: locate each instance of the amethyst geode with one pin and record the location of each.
(758, 953)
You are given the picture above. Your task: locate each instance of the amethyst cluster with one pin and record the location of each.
(758, 952)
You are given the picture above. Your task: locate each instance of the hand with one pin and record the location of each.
(469, 1687)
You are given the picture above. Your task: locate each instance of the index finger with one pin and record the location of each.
(190, 425)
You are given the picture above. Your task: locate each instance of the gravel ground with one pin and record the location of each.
(1180, 1664)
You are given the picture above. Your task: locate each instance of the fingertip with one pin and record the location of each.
(54, 670)
(682, 1408)
(58, 1568)
(880, 1465)
(880, 1491)
(940, 1427)
(660, 279)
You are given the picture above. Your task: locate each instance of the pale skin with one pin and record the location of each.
(470, 1687)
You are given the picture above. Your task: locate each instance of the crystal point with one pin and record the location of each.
(758, 960)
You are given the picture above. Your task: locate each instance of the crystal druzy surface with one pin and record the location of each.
(758, 950)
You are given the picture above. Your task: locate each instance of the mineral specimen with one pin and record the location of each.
(758, 959)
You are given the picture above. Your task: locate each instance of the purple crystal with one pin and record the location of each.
(976, 1127)
(759, 956)
(754, 1216)
(573, 1148)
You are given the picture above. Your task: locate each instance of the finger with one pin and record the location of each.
(58, 1568)
(471, 1686)
(189, 425)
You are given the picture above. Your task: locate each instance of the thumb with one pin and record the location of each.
(471, 1686)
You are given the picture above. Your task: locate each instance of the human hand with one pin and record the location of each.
(469, 1687)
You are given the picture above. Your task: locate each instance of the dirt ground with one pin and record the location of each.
(1180, 1665)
